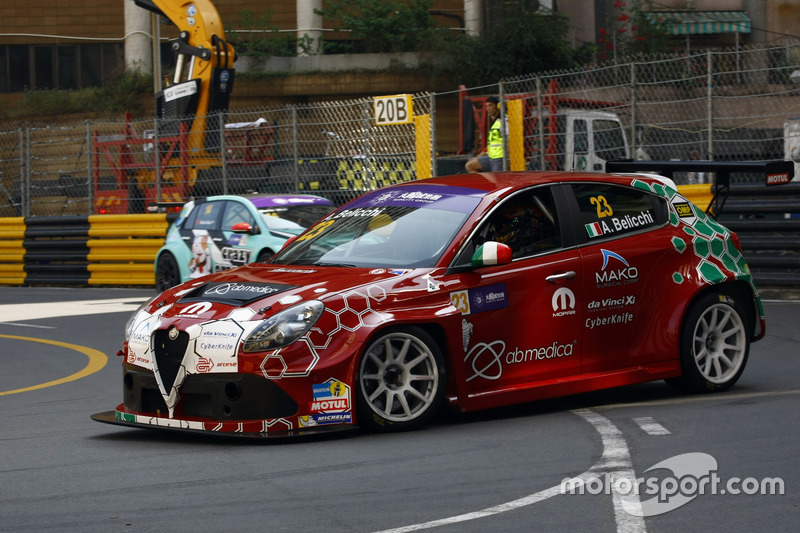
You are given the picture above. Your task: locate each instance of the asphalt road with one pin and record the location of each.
(500, 470)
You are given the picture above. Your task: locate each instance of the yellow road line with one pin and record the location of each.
(97, 360)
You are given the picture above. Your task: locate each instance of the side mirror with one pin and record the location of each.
(491, 253)
(289, 241)
(243, 227)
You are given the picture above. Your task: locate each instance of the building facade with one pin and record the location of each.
(80, 43)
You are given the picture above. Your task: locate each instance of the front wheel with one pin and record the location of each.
(264, 256)
(401, 380)
(167, 272)
(714, 345)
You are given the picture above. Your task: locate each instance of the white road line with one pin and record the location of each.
(650, 426)
(14, 313)
(614, 462)
(27, 325)
(680, 400)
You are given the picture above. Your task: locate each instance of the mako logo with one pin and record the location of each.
(609, 276)
(563, 302)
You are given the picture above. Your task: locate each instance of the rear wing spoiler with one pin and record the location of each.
(775, 173)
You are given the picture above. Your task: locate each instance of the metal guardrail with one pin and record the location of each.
(767, 221)
(725, 105)
(81, 250)
(765, 216)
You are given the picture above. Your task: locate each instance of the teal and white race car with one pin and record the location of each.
(222, 232)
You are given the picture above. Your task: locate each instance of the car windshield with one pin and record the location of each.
(276, 223)
(303, 215)
(384, 230)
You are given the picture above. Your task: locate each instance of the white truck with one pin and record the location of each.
(560, 134)
(791, 143)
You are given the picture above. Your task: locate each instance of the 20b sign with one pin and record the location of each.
(396, 109)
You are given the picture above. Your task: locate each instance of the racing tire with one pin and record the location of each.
(401, 380)
(264, 256)
(714, 345)
(167, 272)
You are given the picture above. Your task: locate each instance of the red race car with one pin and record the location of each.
(473, 291)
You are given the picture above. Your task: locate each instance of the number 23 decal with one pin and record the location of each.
(603, 207)
(460, 301)
(316, 230)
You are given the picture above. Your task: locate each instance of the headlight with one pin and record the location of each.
(132, 320)
(284, 328)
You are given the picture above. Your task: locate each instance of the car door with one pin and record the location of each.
(521, 321)
(623, 254)
(201, 234)
(237, 249)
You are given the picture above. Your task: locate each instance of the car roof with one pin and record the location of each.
(276, 200)
(489, 182)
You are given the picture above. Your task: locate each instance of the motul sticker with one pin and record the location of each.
(333, 396)
(778, 179)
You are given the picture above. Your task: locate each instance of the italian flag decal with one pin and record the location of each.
(492, 253)
(594, 229)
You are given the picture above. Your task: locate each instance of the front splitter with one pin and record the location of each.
(118, 418)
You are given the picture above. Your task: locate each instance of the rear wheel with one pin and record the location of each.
(401, 380)
(714, 345)
(167, 272)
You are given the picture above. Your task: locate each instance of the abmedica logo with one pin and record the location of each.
(556, 350)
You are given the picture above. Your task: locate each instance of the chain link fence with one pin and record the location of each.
(720, 105)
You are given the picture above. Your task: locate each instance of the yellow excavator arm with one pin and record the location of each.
(204, 73)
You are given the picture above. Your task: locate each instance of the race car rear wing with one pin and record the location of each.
(774, 172)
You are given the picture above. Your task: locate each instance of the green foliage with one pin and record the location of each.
(120, 94)
(124, 92)
(256, 36)
(523, 39)
(634, 30)
(383, 26)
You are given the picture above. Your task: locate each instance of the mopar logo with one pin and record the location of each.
(563, 302)
(196, 308)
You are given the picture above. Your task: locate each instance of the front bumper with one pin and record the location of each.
(224, 397)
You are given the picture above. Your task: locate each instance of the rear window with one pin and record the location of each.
(205, 216)
(611, 210)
